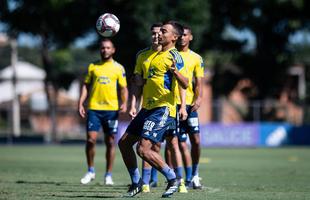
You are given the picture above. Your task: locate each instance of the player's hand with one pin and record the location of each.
(123, 108)
(173, 65)
(182, 114)
(196, 104)
(133, 112)
(82, 111)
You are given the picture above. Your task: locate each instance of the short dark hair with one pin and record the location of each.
(187, 28)
(177, 27)
(157, 24)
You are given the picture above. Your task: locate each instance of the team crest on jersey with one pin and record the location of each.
(151, 72)
(104, 80)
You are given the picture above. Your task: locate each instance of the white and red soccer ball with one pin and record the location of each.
(107, 25)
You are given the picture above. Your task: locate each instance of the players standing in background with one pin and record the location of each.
(195, 68)
(158, 111)
(100, 87)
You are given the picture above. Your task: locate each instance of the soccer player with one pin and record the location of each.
(195, 68)
(140, 75)
(165, 74)
(100, 87)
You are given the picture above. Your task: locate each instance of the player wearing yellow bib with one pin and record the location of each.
(158, 111)
(100, 87)
(195, 67)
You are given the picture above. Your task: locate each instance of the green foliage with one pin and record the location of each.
(272, 22)
(60, 22)
(145, 13)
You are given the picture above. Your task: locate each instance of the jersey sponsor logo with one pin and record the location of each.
(104, 80)
(148, 125)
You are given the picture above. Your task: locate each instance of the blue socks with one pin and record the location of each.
(168, 173)
(188, 173)
(108, 174)
(154, 175)
(195, 169)
(178, 172)
(146, 175)
(91, 169)
(134, 175)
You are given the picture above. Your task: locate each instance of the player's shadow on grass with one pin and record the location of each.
(40, 182)
(85, 196)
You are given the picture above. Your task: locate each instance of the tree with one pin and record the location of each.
(272, 22)
(55, 21)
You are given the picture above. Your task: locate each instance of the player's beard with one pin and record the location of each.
(106, 56)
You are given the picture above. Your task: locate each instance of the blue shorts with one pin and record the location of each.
(189, 126)
(152, 124)
(107, 119)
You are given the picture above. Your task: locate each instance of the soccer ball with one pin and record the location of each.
(107, 25)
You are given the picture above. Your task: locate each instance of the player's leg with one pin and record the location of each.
(194, 136)
(146, 153)
(187, 160)
(109, 120)
(93, 126)
(173, 155)
(146, 176)
(195, 153)
(129, 157)
(147, 170)
(110, 156)
(186, 156)
(154, 178)
(154, 128)
(126, 142)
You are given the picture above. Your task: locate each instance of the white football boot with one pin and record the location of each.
(88, 177)
(108, 180)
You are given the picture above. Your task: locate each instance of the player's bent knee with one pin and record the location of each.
(91, 141)
(141, 151)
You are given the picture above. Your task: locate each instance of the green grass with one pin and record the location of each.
(54, 172)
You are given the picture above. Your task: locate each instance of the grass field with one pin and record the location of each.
(53, 172)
